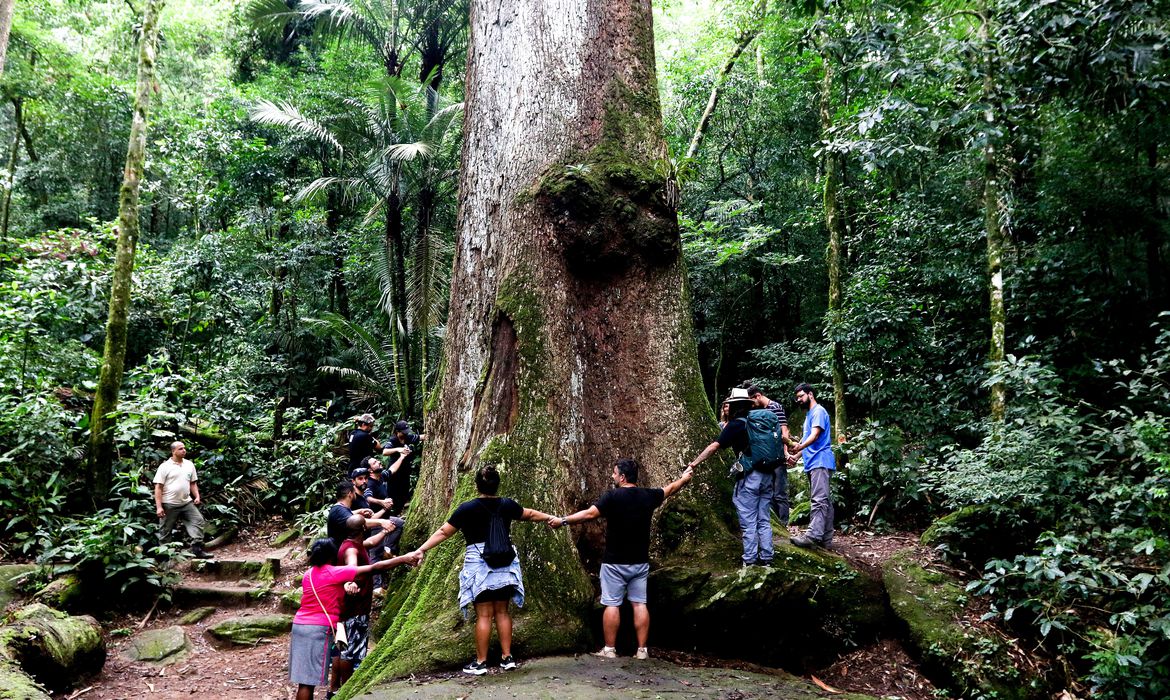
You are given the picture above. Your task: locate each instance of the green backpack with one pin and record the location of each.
(766, 452)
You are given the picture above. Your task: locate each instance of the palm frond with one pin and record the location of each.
(269, 17)
(288, 116)
(409, 151)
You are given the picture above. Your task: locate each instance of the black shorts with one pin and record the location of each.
(491, 595)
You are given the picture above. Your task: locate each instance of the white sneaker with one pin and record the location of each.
(643, 653)
(606, 653)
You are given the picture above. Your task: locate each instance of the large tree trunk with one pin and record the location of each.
(569, 339)
(101, 445)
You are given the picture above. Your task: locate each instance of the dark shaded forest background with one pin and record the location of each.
(855, 177)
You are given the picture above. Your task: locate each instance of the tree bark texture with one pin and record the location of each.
(7, 8)
(569, 339)
(835, 253)
(993, 223)
(100, 456)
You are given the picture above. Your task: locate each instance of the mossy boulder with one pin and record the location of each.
(976, 534)
(290, 601)
(165, 645)
(51, 646)
(248, 630)
(63, 593)
(804, 609)
(968, 660)
(197, 615)
(15, 684)
(286, 537)
(10, 577)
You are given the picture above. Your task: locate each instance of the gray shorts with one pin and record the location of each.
(623, 582)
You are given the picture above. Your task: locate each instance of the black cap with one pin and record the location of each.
(360, 471)
(402, 426)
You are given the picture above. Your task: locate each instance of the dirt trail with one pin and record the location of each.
(260, 672)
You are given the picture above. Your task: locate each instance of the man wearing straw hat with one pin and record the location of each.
(752, 495)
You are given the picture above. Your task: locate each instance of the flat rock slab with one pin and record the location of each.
(588, 677)
(160, 645)
(197, 615)
(249, 569)
(249, 630)
(286, 537)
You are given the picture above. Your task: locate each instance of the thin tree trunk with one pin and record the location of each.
(101, 453)
(1155, 231)
(993, 222)
(338, 291)
(13, 161)
(399, 318)
(835, 253)
(569, 339)
(713, 100)
(7, 8)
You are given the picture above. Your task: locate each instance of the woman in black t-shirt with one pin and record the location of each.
(488, 588)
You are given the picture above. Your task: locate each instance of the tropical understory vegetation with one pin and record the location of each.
(950, 217)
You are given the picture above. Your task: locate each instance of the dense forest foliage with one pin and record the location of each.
(950, 217)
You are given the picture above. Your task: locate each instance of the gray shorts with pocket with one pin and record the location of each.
(623, 582)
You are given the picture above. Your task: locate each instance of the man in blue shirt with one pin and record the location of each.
(819, 464)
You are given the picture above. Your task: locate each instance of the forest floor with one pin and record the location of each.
(259, 672)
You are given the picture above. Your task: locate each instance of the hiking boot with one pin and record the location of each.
(805, 542)
(198, 552)
(508, 663)
(606, 653)
(643, 653)
(476, 668)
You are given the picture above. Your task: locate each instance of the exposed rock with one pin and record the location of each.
(64, 593)
(10, 576)
(290, 601)
(161, 645)
(248, 631)
(587, 677)
(227, 595)
(807, 607)
(17, 685)
(968, 660)
(197, 615)
(53, 647)
(286, 537)
(264, 570)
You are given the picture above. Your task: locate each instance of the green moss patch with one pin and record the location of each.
(805, 609)
(248, 630)
(164, 645)
(970, 661)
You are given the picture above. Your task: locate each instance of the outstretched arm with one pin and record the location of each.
(673, 487)
(445, 531)
(580, 516)
(530, 514)
(707, 452)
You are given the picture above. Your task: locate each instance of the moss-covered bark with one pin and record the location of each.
(100, 455)
(568, 339)
(51, 646)
(968, 660)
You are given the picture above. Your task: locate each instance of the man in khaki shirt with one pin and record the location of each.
(176, 494)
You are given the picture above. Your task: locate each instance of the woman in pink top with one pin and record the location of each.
(313, 625)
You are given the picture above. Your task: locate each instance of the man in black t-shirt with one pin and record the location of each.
(625, 567)
(346, 494)
(362, 442)
(404, 443)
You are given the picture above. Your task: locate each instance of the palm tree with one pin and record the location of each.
(399, 151)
